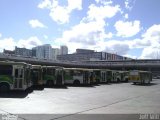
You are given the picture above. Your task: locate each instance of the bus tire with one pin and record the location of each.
(4, 87)
(50, 83)
(76, 82)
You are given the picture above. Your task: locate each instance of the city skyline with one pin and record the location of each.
(127, 27)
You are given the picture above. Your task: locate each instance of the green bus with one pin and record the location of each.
(103, 75)
(124, 76)
(14, 76)
(116, 76)
(53, 75)
(37, 75)
(77, 76)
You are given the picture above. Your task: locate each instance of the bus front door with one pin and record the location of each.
(18, 79)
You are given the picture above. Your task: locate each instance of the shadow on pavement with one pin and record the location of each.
(91, 86)
(57, 87)
(14, 94)
(151, 84)
(37, 87)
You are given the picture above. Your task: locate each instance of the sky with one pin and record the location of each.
(126, 27)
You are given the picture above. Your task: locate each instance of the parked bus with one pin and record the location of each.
(37, 75)
(53, 75)
(116, 76)
(92, 76)
(77, 76)
(141, 77)
(122, 76)
(97, 75)
(103, 75)
(14, 76)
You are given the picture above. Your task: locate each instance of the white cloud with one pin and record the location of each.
(90, 32)
(7, 43)
(10, 43)
(45, 4)
(36, 23)
(102, 12)
(104, 2)
(129, 4)
(0, 35)
(130, 56)
(115, 46)
(58, 13)
(74, 5)
(29, 43)
(151, 52)
(126, 16)
(152, 36)
(45, 36)
(127, 29)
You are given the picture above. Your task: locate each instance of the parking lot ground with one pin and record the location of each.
(110, 101)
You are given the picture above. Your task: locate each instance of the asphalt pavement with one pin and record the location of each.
(105, 101)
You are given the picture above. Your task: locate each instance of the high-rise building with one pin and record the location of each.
(55, 52)
(63, 50)
(44, 51)
(23, 52)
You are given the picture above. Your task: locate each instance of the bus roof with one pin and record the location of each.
(82, 69)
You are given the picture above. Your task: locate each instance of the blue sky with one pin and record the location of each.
(126, 27)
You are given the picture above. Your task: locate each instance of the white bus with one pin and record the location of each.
(53, 75)
(14, 76)
(77, 76)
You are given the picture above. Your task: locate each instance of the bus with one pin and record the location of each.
(37, 75)
(141, 77)
(116, 76)
(14, 76)
(77, 76)
(97, 75)
(53, 75)
(103, 75)
(124, 76)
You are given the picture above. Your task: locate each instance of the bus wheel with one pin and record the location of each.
(50, 83)
(76, 82)
(4, 87)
